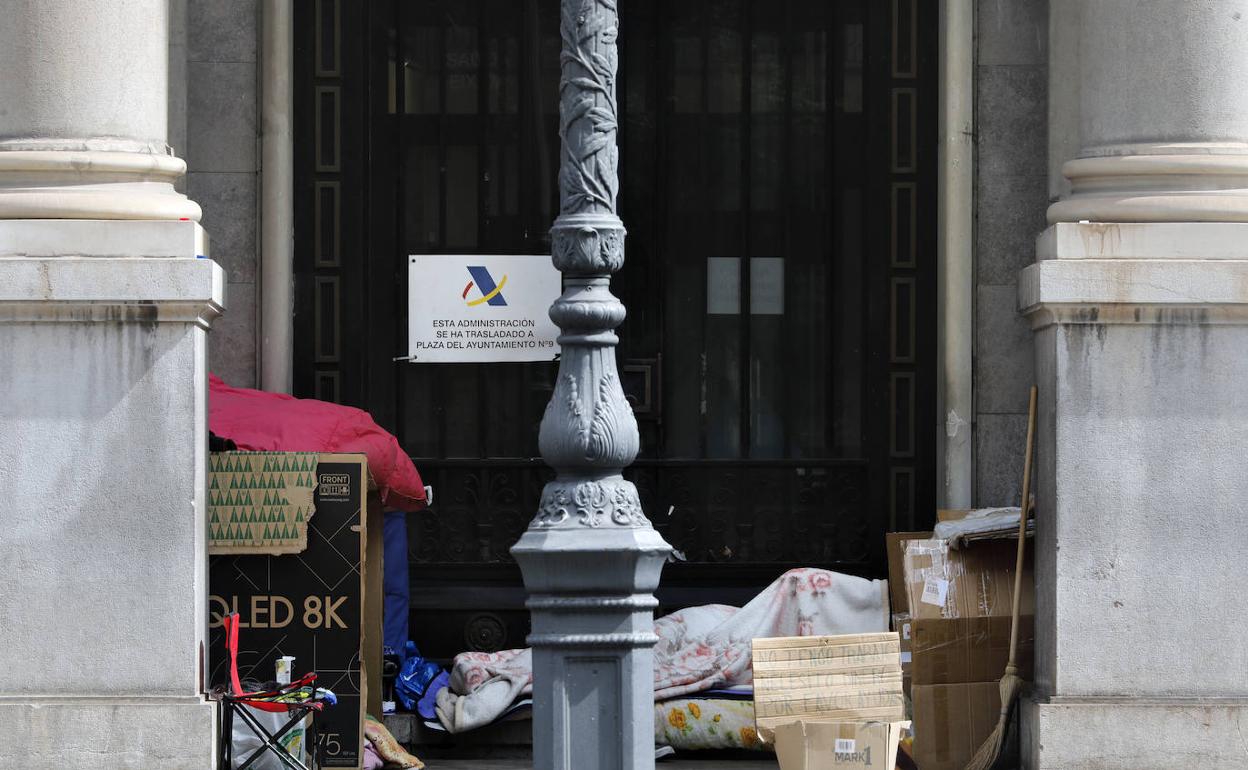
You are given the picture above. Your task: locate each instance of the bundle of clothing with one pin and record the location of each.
(699, 649)
(381, 750)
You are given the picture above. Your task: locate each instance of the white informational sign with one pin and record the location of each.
(479, 309)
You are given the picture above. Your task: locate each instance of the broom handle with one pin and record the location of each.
(1012, 666)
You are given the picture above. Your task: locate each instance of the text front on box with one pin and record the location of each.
(481, 309)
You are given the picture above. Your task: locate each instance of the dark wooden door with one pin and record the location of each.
(777, 173)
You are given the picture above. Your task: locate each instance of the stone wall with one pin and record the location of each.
(1011, 189)
(220, 114)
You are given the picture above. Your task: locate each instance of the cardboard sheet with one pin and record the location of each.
(952, 650)
(260, 502)
(851, 678)
(951, 721)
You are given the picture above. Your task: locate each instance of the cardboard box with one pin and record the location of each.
(953, 650)
(308, 605)
(974, 581)
(951, 721)
(260, 502)
(830, 701)
(895, 546)
(967, 637)
(817, 745)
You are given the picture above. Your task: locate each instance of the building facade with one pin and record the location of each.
(837, 302)
(864, 229)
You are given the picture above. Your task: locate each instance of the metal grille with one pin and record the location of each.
(714, 512)
(777, 168)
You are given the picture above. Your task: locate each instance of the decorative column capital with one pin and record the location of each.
(588, 244)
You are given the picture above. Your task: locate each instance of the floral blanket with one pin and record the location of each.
(706, 723)
(699, 648)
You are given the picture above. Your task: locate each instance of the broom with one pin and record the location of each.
(990, 751)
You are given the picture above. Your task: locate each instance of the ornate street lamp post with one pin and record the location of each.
(591, 560)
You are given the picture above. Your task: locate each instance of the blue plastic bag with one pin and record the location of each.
(414, 677)
(428, 705)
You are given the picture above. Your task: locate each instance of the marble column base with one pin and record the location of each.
(1134, 734)
(103, 463)
(1141, 335)
(113, 733)
(1175, 183)
(92, 185)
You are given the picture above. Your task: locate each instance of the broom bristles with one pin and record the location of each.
(990, 750)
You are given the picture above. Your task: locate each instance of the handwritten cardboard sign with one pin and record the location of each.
(849, 678)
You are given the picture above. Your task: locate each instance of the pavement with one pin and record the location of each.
(670, 763)
(506, 746)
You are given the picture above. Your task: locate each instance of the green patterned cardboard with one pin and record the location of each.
(260, 502)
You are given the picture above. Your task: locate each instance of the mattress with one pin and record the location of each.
(717, 720)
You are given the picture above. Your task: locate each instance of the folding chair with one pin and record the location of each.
(289, 699)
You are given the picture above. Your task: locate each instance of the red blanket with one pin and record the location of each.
(258, 421)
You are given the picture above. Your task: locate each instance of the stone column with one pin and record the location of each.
(1139, 302)
(591, 560)
(105, 300)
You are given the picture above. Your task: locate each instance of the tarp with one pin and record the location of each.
(259, 421)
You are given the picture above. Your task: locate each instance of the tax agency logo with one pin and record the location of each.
(481, 308)
(490, 293)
